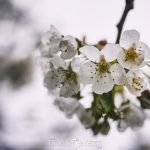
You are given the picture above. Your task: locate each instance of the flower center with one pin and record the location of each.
(71, 76)
(102, 67)
(131, 54)
(63, 45)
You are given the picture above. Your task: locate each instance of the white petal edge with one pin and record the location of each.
(71, 40)
(58, 61)
(76, 63)
(110, 51)
(91, 52)
(118, 74)
(87, 73)
(103, 83)
(144, 47)
(128, 38)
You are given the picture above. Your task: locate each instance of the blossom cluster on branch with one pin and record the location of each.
(70, 64)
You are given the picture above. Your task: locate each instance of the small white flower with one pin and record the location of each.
(131, 116)
(65, 79)
(134, 52)
(99, 71)
(136, 82)
(53, 42)
(50, 42)
(68, 105)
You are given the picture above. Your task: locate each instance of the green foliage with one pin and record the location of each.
(101, 127)
(103, 108)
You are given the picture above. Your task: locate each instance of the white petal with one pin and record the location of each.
(87, 73)
(52, 79)
(122, 126)
(71, 40)
(58, 61)
(110, 51)
(91, 52)
(118, 74)
(44, 63)
(136, 82)
(45, 51)
(69, 53)
(76, 63)
(143, 47)
(103, 83)
(136, 117)
(70, 49)
(69, 88)
(54, 31)
(128, 38)
(50, 42)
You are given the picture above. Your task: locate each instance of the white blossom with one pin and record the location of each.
(131, 116)
(53, 43)
(65, 79)
(100, 72)
(136, 82)
(133, 52)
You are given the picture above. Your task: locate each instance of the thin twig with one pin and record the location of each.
(128, 7)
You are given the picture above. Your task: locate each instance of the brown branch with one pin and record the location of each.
(129, 5)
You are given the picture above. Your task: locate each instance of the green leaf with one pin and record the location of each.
(113, 115)
(101, 127)
(107, 101)
(96, 128)
(97, 109)
(104, 127)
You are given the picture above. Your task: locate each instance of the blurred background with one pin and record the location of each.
(28, 118)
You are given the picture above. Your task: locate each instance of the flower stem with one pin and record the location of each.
(129, 5)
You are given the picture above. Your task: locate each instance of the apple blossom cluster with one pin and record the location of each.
(72, 64)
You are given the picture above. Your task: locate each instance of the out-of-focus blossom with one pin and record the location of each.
(65, 79)
(71, 106)
(131, 116)
(53, 42)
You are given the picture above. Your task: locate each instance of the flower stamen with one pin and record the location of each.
(131, 54)
(102, 67)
